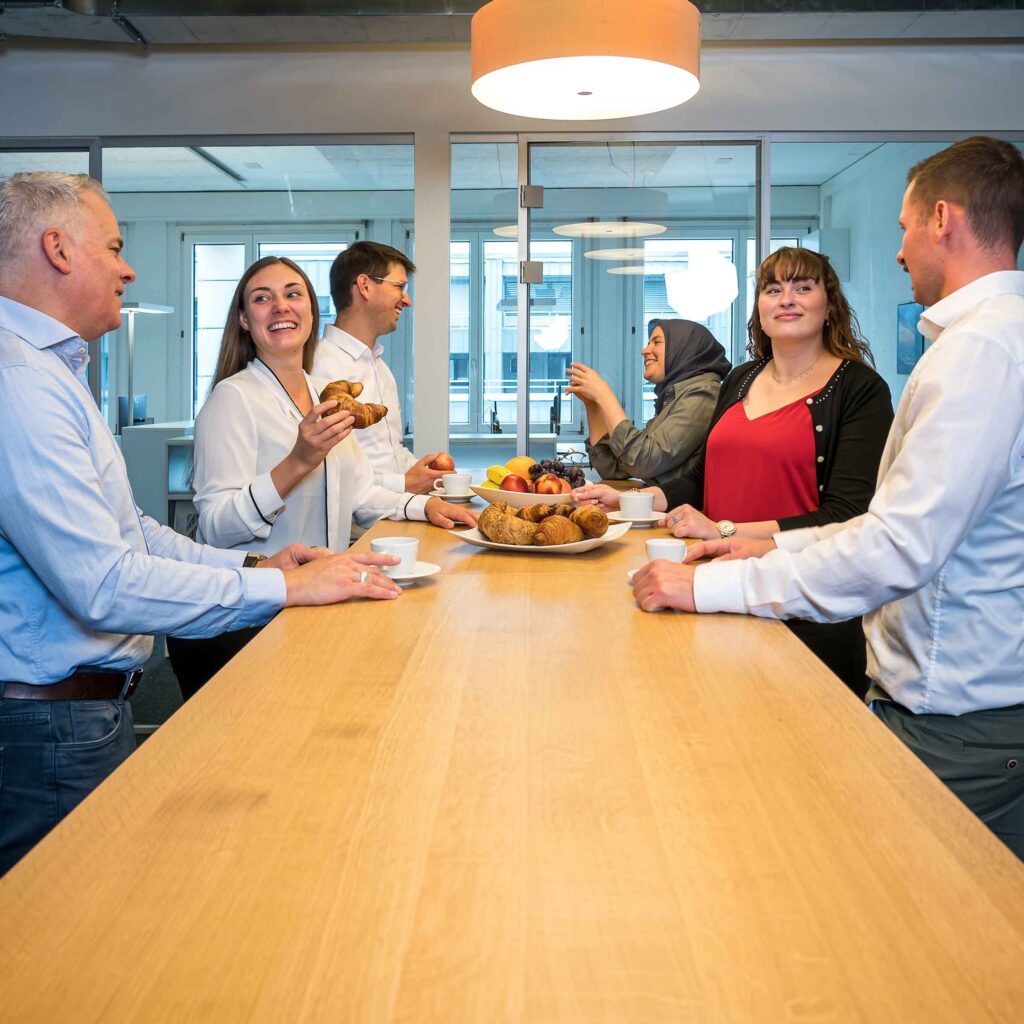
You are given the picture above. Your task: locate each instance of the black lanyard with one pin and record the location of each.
(327, 524)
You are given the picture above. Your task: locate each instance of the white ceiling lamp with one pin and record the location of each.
(615, 254)
(708, 285)
(585, 60)
(507, 231)
(628, 270)
(609, 229)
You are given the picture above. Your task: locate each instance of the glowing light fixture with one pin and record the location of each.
(585, 60)
(609, 229)
(507, 231)
(707, 286)
(627, 270)
(615, 254)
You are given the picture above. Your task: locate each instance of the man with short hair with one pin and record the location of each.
(936, 564)
(85, 578)
(370, 290)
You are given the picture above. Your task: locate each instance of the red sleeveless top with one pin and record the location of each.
(761, 469)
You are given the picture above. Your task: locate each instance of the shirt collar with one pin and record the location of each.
(350, 344)
(935, 319)
(33, 326)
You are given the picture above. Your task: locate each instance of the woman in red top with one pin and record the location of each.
(796, 436)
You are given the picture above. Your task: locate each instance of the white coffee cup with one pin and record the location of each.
(405, 548)
(456, 484)
(666, 547)
(636, 504)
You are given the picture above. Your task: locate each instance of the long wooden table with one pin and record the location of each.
(512, 796)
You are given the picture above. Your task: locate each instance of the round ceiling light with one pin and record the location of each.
(615, 254)
(508, 231)
(581, 60)
(627, 270)
(609, 229)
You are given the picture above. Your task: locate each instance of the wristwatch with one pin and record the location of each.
(725, 527)
(251, 561)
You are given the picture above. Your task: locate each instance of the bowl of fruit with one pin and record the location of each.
(519, 482)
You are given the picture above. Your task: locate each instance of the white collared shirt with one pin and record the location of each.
(938, 558)
(247, 426)
(340, 356)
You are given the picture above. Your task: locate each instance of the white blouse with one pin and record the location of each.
(247, 427)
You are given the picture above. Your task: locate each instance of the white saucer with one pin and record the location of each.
(456, 499)
(421, 570)
(618, 517)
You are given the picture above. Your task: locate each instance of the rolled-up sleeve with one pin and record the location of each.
(236, 504)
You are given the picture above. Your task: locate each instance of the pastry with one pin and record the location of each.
(499, 523)
(345, 393)
(590, 519)
(557, 530)
(536, 513)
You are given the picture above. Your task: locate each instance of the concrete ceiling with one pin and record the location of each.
(417, 22)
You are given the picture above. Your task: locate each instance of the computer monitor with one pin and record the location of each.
(139, 404)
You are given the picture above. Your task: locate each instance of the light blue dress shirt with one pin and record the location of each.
(82, 572)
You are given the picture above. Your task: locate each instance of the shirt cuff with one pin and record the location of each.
(265, 497)
(718, 587)
(416, 508)
(392, 482)
(794, 540)
(265, 592)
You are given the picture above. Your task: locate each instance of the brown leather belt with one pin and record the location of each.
(80, 685)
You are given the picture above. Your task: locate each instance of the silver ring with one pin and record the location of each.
(364, 576)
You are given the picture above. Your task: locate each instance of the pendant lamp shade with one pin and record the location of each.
(585, 60)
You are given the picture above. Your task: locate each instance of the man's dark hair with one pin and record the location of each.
(983, 175)
(371, 258)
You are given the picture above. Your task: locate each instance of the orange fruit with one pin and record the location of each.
(520, 465)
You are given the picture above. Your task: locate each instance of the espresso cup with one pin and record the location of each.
(636, 504)
(666, 547)
(456, 484)
(405, 548)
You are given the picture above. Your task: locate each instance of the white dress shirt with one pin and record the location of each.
(340, 356)
(247, 426)
(938, 558)
(85, 578)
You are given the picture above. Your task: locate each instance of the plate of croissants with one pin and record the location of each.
(542, 529)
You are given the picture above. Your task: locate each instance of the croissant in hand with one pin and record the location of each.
(345, 392)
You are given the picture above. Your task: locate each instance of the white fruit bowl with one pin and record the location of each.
(519, 499)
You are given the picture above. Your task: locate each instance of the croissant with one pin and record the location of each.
(499, 523)
(590, 519)
(536, 513)
(346, 392)
(557, 530)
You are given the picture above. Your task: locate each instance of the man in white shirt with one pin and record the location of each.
(86, 579)
(936, 564)
(370, 290)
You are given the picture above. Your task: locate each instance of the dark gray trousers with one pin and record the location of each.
(979, 755)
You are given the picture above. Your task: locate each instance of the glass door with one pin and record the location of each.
(626, 232)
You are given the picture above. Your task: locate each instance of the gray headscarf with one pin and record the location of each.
(690, 350)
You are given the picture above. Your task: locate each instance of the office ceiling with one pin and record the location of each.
(156, 23)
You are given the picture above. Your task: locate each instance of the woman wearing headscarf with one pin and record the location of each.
(686, 365)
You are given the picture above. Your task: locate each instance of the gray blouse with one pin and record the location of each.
(665, 448)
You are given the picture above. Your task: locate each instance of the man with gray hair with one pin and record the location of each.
(85, 578)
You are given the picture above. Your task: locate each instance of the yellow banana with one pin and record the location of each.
(496, 474)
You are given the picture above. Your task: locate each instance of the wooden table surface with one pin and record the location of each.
(512, 796)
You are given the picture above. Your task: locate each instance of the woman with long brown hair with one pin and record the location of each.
(797, 433)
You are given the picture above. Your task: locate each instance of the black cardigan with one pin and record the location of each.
(851, 415)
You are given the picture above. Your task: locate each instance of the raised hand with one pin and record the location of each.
(420, 479)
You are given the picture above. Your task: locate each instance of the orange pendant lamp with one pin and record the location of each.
(585, 60)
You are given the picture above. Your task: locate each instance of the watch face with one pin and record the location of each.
(726, 527)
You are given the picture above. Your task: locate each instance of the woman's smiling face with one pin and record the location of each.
(277, 311)
(653, 354)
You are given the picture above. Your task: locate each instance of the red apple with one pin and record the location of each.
(443, 462)
(548, 483)
(514, 482)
